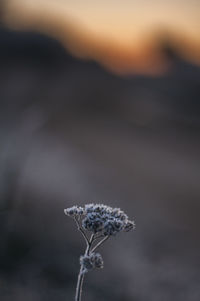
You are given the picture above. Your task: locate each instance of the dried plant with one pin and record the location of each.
(101, 222)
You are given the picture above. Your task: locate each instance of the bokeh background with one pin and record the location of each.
(99, 101)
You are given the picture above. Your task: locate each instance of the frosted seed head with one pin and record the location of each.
(92, 222)
(98, 260)
(86, 262)
(91, 261)
(74, 211)
(112, 226)
(101, 219)
(129, 226)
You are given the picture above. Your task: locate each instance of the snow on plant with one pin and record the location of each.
(101, 222)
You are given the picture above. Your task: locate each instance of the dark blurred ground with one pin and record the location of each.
(72, 133)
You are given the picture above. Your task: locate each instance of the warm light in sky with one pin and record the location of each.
(128, 26)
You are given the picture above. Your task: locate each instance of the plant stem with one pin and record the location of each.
(100, 243)
(81, 274)
(81, 230)
(79, 285)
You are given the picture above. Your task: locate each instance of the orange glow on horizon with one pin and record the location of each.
(120, 50)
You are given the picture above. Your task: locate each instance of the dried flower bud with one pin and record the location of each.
(74, 211)
(129, 226)
(91, 261)
(98, 260)
(93, 222)
(86, 263)
(112, 227)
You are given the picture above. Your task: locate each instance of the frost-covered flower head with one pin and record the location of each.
(103, 219)
(102, 222)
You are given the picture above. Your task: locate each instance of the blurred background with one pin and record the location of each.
(99, 102)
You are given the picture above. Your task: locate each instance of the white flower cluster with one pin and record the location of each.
(101, 219)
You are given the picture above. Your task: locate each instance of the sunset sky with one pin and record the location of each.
(120, 34)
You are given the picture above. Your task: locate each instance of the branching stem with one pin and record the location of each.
(100, 243)
(81, 274)
(89, 243)
(98, 236)
(82, 231)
